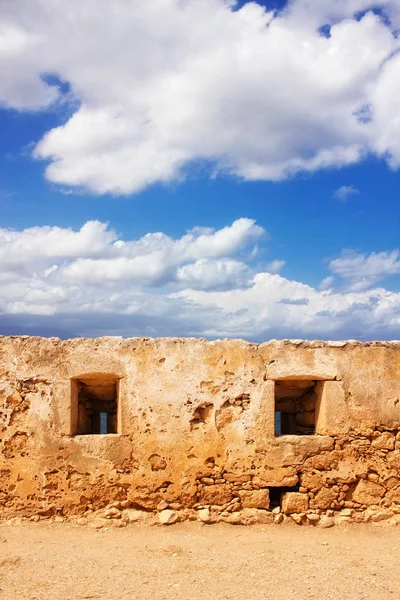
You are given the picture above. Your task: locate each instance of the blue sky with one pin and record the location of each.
(298, 198)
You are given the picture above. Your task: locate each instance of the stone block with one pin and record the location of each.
(312, 481)
(294, 502)
(394, 495)
(236, 477)
(385, 441)
(254, 499)
(368, 492)
(394, 461)
(146, 502)
(283, 477)
(250, 516)
(216, 494)
(324, 498)
(331, 411)
(392, 482)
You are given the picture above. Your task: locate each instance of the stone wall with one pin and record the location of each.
(115, 429)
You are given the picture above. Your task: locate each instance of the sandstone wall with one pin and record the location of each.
(195, 424)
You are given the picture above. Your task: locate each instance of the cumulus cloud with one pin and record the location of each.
(214, 274)
(156, 258)
(344, 192)
(44, 267)
(361, 271)
(19, 249)
(157, 85)
(204, 283)
(273, 306)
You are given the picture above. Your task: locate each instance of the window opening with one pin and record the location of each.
(95, 405)
(295, 402)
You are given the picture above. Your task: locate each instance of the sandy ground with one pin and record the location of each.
(43, 561)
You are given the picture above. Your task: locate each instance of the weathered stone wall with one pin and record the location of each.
(196, 431)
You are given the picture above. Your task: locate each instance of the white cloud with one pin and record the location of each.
(157, 258)
(203, 283)
(214, 274)
(344, 192)
(159, 84)
(276, 307)
(275, 266)
(19, 249)
(361, 271)
(326, 283)
(385, 109)
(314, 12)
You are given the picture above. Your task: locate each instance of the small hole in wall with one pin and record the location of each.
(275, 494)
(201, 415)
(94, 405)
(295, 403)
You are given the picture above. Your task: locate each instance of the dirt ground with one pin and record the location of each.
(43, 561)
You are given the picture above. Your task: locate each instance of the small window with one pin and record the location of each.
(295, 403)
(95, 405)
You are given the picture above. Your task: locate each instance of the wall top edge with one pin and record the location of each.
(273, 342)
